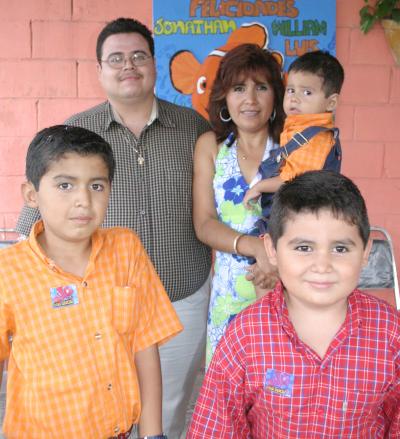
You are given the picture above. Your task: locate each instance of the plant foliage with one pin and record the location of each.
(381, 9)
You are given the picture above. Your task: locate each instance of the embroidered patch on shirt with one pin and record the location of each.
(64, 296)
(279, 382)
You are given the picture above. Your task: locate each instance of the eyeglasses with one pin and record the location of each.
(117, 60)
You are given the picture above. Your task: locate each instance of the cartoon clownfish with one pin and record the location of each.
(189, 76)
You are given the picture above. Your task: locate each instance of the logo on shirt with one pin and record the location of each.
(64, 296)
(279, 382)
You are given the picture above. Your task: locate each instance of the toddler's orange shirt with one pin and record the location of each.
(309, 157)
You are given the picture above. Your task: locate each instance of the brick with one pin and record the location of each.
(348, 12)
(343, 45)
(344, 121)
(370, 48)
(11, 198)
(377, 123)
(19, 33)
(392, 160)
(363, 159)
(37, 79)
(17, 116)
(64, 40)
(108, 10)
(88, 83)
(56, 111)
(357, 85)
(395, 86)
(376, 219)
(35, 9)
(12, 155)
(381, 195)
(10, 221)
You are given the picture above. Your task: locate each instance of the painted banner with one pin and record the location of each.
(191, 36)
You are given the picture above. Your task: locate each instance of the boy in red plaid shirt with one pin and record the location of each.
(315, 358)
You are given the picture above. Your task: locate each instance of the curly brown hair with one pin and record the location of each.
(247, 60)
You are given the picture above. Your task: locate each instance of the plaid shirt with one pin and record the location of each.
(265, 383)
(312, 156)
(71, 370)
(153, 199)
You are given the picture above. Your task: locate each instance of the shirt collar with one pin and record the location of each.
(38, 227)
(157, 112)
(352, 321)
(319, 119)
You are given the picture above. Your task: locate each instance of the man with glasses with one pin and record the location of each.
(153, 142)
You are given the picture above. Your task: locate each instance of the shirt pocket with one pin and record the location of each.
(356, 413)
(281, 405)
(178, 191)
(125, 309)
(355, 406)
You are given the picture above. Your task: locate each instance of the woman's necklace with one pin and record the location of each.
(240, 153)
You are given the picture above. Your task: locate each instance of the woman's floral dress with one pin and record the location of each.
(230, 292)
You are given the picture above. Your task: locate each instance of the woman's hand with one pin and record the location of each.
(260, 278)
(262, 273)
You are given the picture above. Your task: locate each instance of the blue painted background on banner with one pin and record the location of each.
(200, 26)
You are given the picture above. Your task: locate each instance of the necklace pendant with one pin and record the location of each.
(140, 160)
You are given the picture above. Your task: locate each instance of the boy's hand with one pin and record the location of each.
(251, 195)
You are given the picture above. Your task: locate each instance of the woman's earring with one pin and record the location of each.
(221, 116)
(273, 115)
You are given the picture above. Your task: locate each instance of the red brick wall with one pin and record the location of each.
(47, 72)
(369, 117)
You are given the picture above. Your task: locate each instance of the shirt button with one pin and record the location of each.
(142, 212)
(84, 284)
(116, 429)
(109, 387)
(98, 336)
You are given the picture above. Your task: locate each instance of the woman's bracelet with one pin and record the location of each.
(235, 243)
(157, 436)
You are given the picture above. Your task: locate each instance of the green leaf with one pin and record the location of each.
(396, 15)
(370, 14)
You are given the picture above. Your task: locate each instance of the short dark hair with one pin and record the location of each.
(324, 65)
(123, 26)
(314, 191)
(51, 144)
(249, 60)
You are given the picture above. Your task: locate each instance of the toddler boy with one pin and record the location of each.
(83, 305)
(313, 85)
(314, 358)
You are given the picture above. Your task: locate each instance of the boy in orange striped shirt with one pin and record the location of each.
(83, 305)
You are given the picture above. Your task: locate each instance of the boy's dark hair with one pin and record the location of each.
(314, 191)
(248, 60)
(51, 144)
(324, 65)
(123, 26)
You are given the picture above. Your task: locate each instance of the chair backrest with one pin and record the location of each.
(380, 272)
